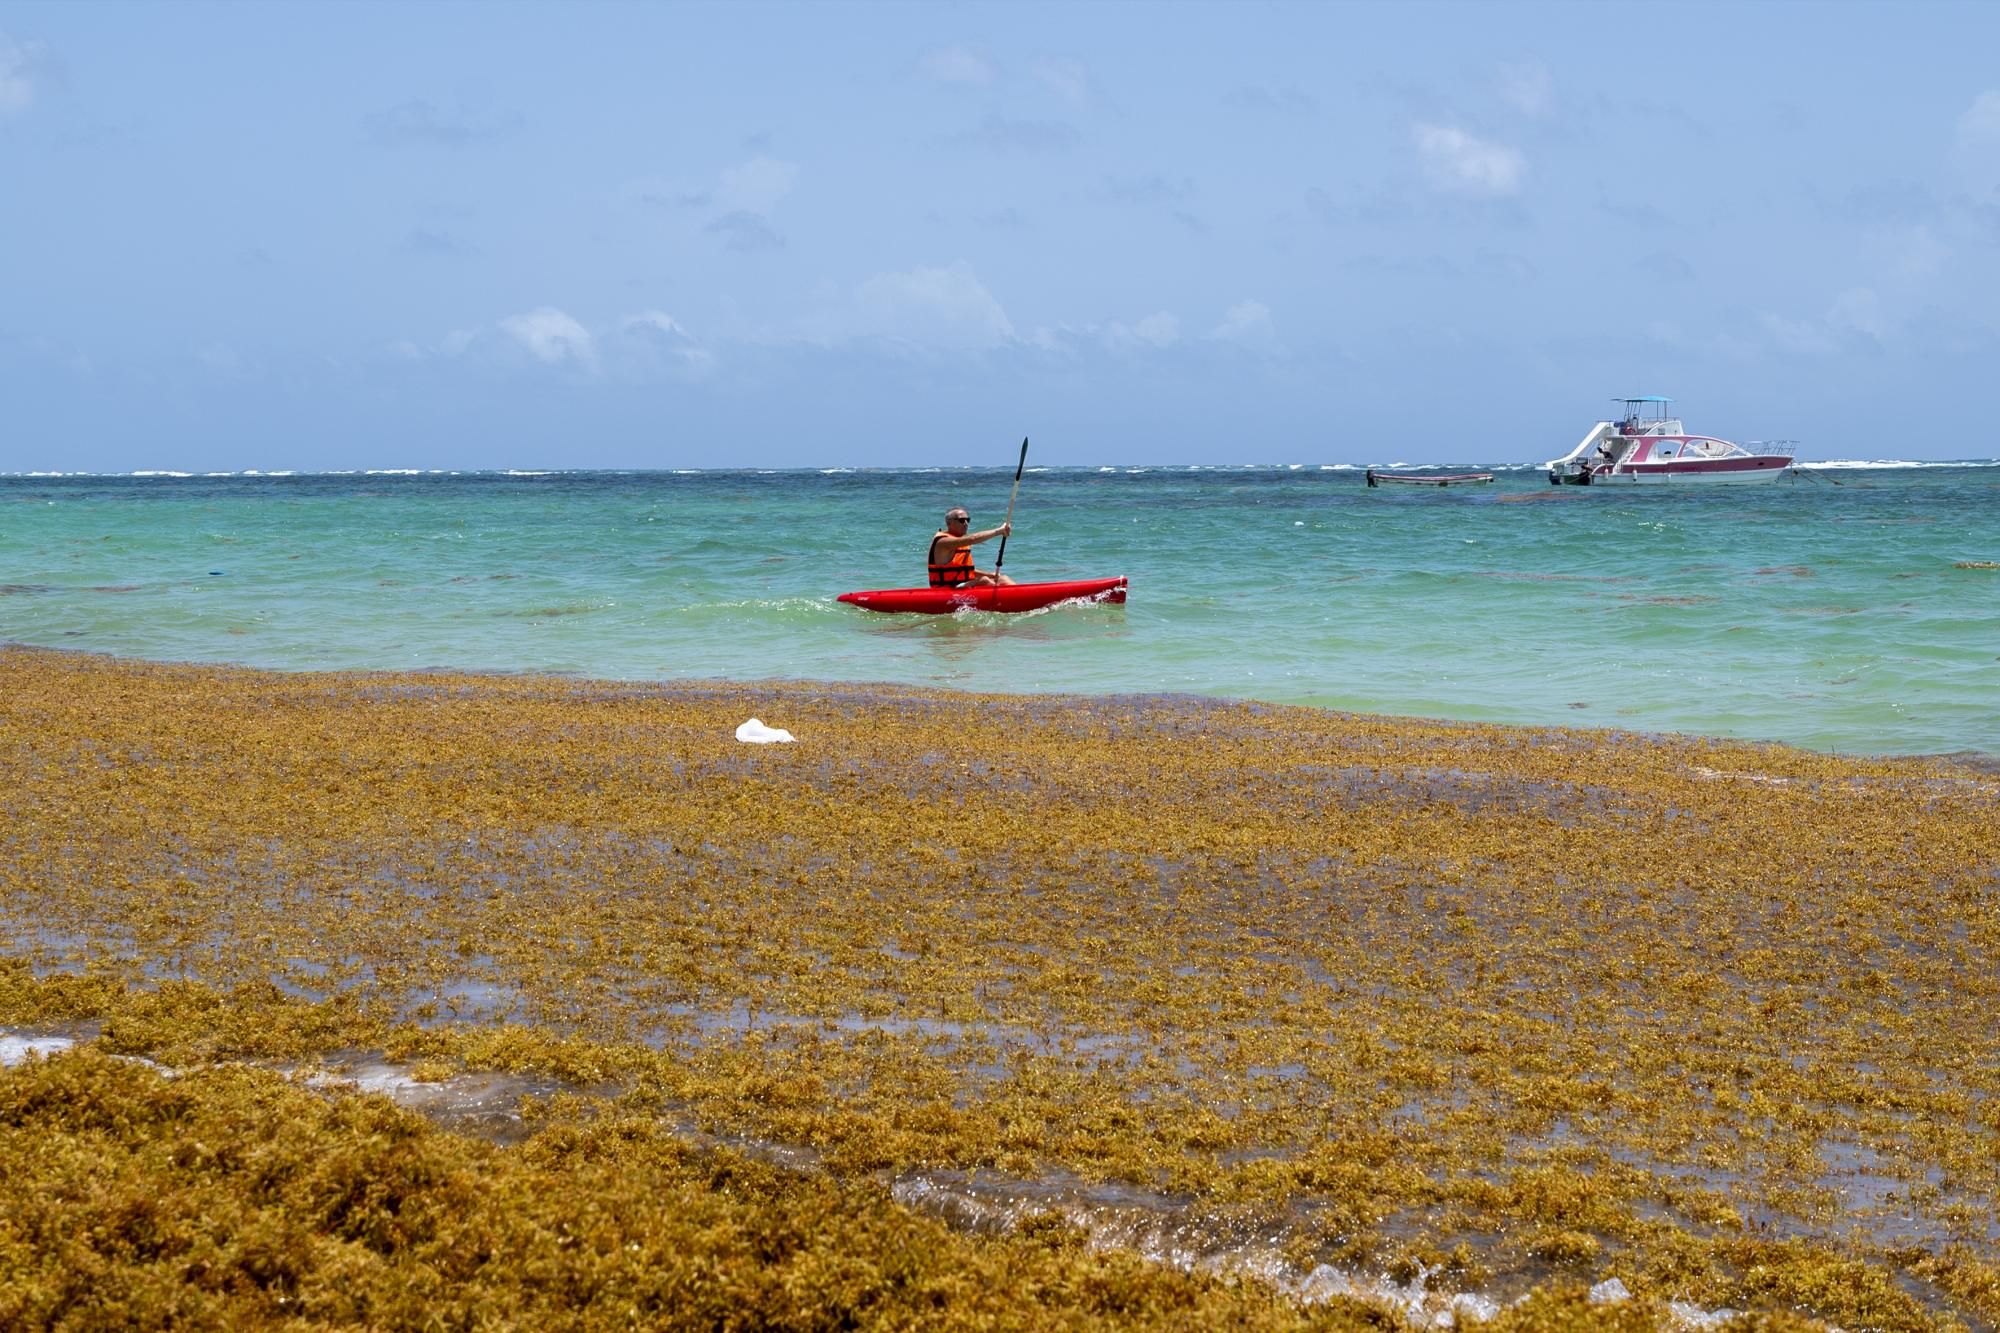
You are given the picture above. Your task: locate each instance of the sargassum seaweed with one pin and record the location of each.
(1521, 1009)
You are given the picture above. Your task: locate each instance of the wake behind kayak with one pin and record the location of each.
(1004, 597)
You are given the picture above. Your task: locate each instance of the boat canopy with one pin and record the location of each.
(1646, 414)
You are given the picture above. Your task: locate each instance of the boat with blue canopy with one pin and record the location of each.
(1645, 446)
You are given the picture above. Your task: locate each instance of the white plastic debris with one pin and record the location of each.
(1611, 1291)
(755, 732)
(1693, 1316)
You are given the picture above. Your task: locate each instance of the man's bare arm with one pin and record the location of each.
(951, 543)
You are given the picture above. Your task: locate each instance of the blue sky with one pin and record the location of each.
(327, 236)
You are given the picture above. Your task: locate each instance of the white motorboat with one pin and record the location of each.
(1645, 446)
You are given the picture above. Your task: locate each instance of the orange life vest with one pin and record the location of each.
(953, 572)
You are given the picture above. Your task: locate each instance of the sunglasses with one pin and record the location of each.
(958, 518)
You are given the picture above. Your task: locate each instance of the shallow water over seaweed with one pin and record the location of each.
(1254, 1241)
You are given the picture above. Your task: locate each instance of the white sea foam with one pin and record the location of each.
(1878, 463)
(1157, 1229)
(16, 1050)
(525, 472)
(160, 472)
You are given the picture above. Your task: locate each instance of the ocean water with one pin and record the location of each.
(1829, 609)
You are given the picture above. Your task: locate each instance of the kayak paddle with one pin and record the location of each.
(1001, 559)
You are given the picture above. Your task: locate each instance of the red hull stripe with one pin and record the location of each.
(1711, 464)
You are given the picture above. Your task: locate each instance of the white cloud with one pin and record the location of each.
(552, 337)
(655, 337)
(1246, 322)
(1916, 253)
(657, 323)
(1981, 121)
(1155, 333)
(453, 344)
(1456, 160)
(957, 64)
(756, 186)
(1802, 337)
(20, 63)
(1257, 97)
(944, 307)
(1066, 78)
(1001, 135)
(1529, 89)
(1855, 314)
(221, 358)
(646, 346)
(745, 231)
(1859, 309)
(1159, 328)
(1976, 152)
(424, 122)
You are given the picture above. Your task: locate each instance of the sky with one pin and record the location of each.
(325, 236)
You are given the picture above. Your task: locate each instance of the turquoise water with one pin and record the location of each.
(1826, 610)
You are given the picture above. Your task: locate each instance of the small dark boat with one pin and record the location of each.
(1428, 478)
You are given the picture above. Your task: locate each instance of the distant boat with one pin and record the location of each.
(1428, 478)
(1645, 446)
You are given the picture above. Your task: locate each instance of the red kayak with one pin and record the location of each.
(1017, 597)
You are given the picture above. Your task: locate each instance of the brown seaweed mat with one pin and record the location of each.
(974, 1010)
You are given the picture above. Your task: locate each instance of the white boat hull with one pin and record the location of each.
(1768, 469)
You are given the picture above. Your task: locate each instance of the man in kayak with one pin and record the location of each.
(951, 554)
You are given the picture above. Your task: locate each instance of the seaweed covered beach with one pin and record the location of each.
(972, 1010)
